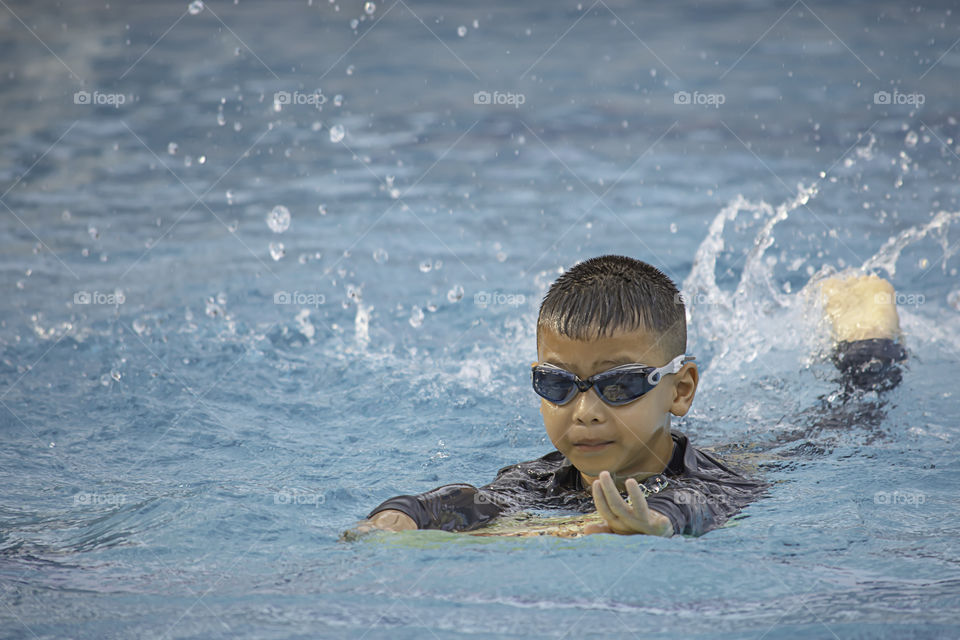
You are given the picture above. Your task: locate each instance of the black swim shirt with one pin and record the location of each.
(696, 492)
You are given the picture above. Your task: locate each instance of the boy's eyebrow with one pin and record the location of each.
(615, 361)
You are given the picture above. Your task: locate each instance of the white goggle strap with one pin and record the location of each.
(671, 367)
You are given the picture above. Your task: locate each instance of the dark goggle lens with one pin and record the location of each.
(621, 388)
(555, 386)
(616, 388)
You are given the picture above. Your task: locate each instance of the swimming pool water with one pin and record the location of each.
(191, 416)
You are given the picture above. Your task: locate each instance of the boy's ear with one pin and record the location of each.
(684, 389)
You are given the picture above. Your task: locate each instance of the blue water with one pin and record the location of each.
(181, 463)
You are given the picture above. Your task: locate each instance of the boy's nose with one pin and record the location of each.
(588, 407)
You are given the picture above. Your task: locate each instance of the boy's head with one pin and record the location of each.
(604, 312)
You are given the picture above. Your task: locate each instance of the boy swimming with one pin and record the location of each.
(612, 370)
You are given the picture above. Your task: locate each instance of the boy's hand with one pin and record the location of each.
(387, 520)
(623, 517)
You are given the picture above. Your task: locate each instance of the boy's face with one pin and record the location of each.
(637, 434)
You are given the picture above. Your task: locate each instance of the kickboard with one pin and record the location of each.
(525, 525)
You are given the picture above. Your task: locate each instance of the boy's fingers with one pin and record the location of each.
(614, 499)
(637, 500)
(600, 502)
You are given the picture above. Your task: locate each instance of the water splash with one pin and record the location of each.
(734, 319)
(728, 329)
(886, 258)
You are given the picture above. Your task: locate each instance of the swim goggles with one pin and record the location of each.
(617, 386)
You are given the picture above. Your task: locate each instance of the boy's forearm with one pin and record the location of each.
(386, 520)
(392, 520)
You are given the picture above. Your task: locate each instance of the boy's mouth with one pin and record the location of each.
(591, 445)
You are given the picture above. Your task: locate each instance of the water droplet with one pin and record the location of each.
(116, 375)
(336, 133)
(93, 233)
(425, 266)
(139, 326)
(322, 208)
(237, 126)
(172, 148)
(350, 70)
(476, 24)
(416, 317)
(673, 227)
(279, 219)
(501, 256)
(369, 8)
(229, 194)
(354, 23)
(105, 380)
(911, 139)
(232, 227)
(394, 193)
(461, 31)
(338, 100)
(202, 159)
(276, 250)
(212, 309)
(924, 263)
(953, 299)
(195, 7)
(380, 256)
(455, 294)
(221, 119)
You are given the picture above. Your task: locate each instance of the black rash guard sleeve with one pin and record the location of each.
(452, 507)
(704, 495)
(872, 364)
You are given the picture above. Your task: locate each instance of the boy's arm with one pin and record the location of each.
(452, 507)
(387, 520)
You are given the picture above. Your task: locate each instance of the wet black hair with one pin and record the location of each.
(611, 293)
